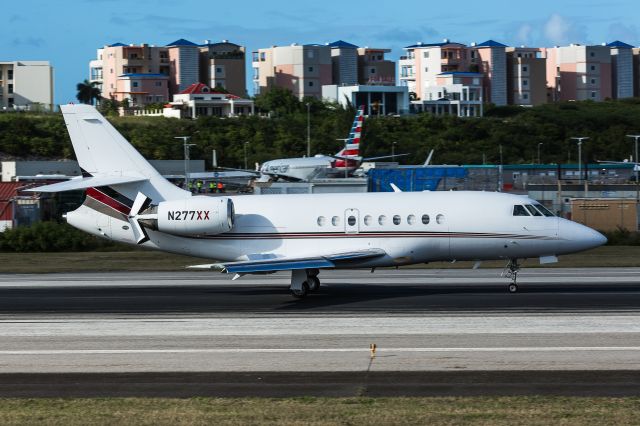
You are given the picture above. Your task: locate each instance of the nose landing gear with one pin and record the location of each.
(511, 271)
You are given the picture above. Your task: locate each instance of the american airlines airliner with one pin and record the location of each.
(128, 201)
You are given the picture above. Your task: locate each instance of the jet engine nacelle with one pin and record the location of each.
(199, 215)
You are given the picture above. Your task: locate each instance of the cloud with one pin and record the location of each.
(524, 34)
(559, 30)
(404, 35)
(28, 42)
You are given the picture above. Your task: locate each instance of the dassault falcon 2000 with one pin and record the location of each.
(127, 200)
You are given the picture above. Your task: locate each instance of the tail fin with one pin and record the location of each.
(103, 152)
(352, 145)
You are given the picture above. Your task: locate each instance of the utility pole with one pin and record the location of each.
(539, 145)
(500, 172)
(580, 139)
(635, 167)
(308, 129)
(186, 147)
(393, 151)
(245, 155)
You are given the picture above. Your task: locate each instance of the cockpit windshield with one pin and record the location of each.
(531, 210)
(545, 211)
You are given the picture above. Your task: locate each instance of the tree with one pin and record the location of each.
(88, 92)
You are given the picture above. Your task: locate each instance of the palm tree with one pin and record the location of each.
(88, 92)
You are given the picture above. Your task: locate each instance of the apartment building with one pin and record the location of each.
(374, 69)
(344, 63)
(636, 71)
(26, 85)
(420, 67)
(303, 69)
(137, 73)
(490, 59)
(622, 77)
(223, 65)
(143, 74)
(526, 76)
(578, 73)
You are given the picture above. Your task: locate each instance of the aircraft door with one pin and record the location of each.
(351, 221)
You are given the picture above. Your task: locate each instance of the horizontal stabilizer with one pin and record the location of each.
(87, 182)
(288, 264)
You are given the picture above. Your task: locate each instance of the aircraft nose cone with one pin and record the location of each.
(580, 237)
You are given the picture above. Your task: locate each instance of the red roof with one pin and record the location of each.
(200, 88)
(10, 189)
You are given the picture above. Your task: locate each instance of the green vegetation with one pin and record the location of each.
(51, 237)
(455, 140)
(322, 411)
(88, 92)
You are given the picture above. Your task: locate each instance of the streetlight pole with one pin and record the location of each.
(635, 167)
(393, 151)
(539, 145)
(580, 139)
(186, 147)
(245, 155)
(308, 129)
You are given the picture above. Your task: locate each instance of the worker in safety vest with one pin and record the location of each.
(220, 187)
(190, 186)
(199, 186)
(212, 187)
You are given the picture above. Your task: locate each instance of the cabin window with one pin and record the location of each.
(425, 219)
(519, 210)
(322, 221)
(411, 219)
(440, 219)
(335, 221)
(368, 220)
(532, 210)
(351, 220)
(382, 219)
(397, 220)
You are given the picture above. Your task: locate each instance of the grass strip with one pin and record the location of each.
(323, 411)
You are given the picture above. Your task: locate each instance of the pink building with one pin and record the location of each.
(578, 73)
(138, 90)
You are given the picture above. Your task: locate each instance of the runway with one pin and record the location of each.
(150, 326)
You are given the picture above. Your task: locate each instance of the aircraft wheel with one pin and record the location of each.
(513, 288)
(313, 272)
(302, 293)
(314, 283)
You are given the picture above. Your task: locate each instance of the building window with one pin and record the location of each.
(0, 74)
(158, 84)
(525, 68)
(311, 84)
(372, 70)
(426, 69)
(9, 74)
(593, 94)
(309, 53)
(310, 69)
(10, 100)
(219, 70)
(593, 67)
(525, 96)
(425, 54)
(525, 82)
(262, 56)
(593, 81)
(10, 88)
(134, 84)
(592, 54)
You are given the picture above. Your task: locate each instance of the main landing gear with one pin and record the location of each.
(511, 271)
(304, 281)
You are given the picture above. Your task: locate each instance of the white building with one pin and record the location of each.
(26, 85)
(377, 100)
(198, 99)
(456, 93)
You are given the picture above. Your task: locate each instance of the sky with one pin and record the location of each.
(68, 32)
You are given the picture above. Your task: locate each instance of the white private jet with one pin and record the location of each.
(128, 201)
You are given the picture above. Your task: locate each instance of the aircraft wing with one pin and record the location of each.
(86, 182)
(288, 264)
